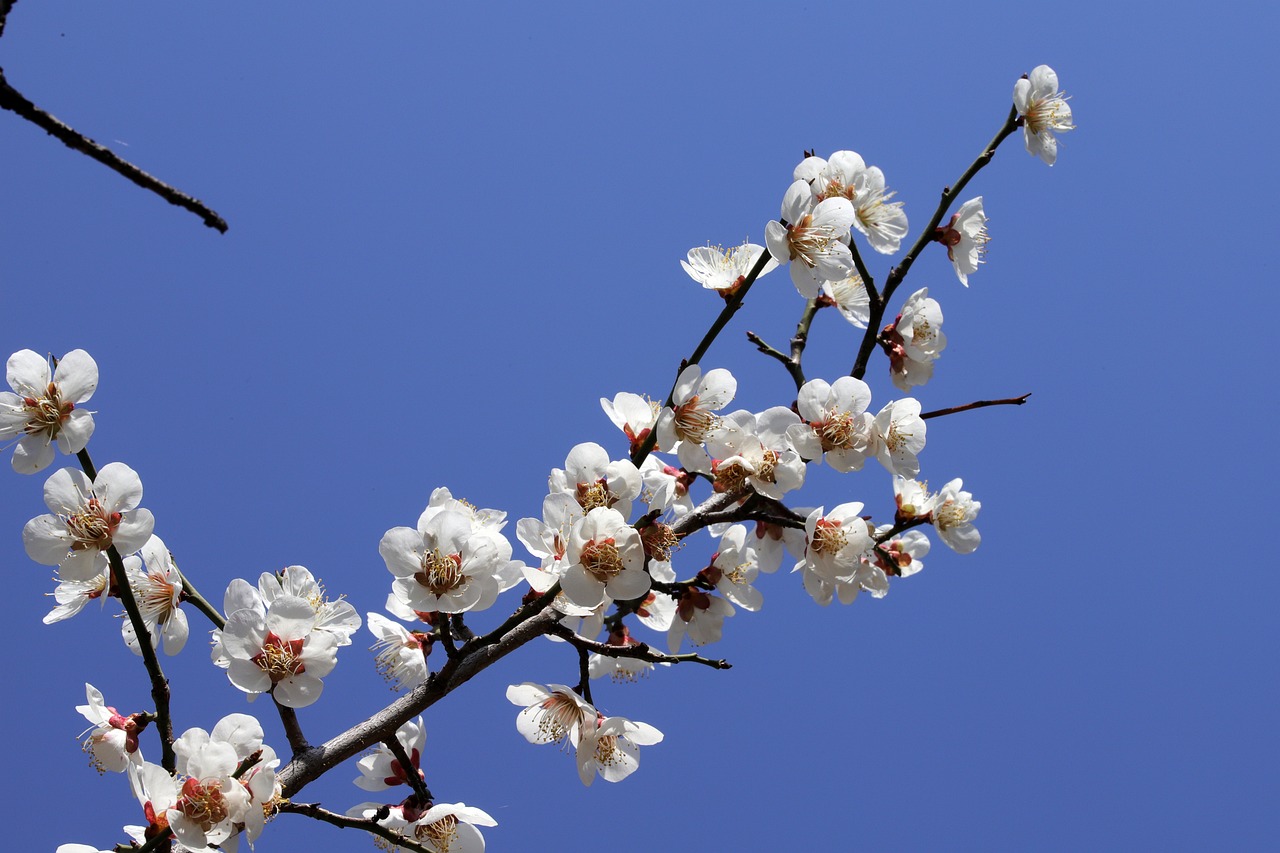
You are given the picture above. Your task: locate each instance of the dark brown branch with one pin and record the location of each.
(314, 811)
(292, 728)
(978, 404)
(5, 6)
(13, 100)
(584, 666)
(640, 651)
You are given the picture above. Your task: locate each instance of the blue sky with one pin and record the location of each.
(453, 228)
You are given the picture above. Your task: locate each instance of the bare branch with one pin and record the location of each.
(314, 811)
(978, 404)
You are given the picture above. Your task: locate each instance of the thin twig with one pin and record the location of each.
(199, 602)
(977, 404)
(292, 728)
(639, 651)
(314, 811)
(5, 6)
(584, 669)
(14, 101)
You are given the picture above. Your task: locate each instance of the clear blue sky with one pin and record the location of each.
(454, 227)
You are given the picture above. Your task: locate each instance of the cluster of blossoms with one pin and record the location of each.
(282, 636)
(603, 550)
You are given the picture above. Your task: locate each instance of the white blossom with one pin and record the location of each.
(1043, 110)
(966, 238)
(42, 409)
(953, 513)
(724, 270)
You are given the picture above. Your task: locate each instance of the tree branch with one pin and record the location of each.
(640, 651)
(14, 101)
(314, 811)
(978, 404)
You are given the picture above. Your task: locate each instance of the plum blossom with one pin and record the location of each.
(605, 557)
(113, 741)
(953, 513)
(666, 487)
(442, 827)
(71, 596)
(548, 539)
(846, 175)
(88, 517)
(836, 540)
(255, 763)
(899, 436)
(43, 409)
(733, 568)
(610, 746)
(754, 450)
(444, 565)
(594, 480)
(157, 586)
(282, 652)
(900, 555)
(380, 769)
(400, 655)
(700, 615)
(724, 270)
(338, 617)
(1043, 110)
(966, 238)
(683, 426)
(836, 425)
(771, 540)
(914, 340)
(633, 414)
(810, 239)
(850, 296)
(552, 713)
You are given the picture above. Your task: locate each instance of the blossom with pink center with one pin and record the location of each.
(810, 236)
(605, 557)
(700, 615)
(380, 769)
(42, 409)
(548, 539)
(754, 450)
(633, 414)
(685, 424)
(445, 565)
(88, 517)
(850, 296)
(199, 752)
(837, 540)
(900, 555)
(335, 617)
(914, 340)
(594, 480)
(1043, 110)
(552, 713)
(733, 569)
(666, 487)
(157, 586)
(610, 746)
(966, 238)
(281, 652)
(113, 742)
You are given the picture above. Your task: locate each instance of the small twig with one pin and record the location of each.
(199, 602)
(978, 404)
(868, 282)
(412, 775)
(14, 101)
(314, 811)
(5, 6)
(785, 360)
(446, 636)
(292, 728)
(640, 651)
(584, 671)
(460, 628)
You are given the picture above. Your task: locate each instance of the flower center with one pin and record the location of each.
(828, 538)
(558, 716)
(46, 414)
(693, 422)
(607, 752)
(1046, 114)
(279, 659)
(836, 432)
(602, 560)
(768, 463)
(592, 495)
(92, 526)
(806, 241)
(896, 437)
(441, 573)
(203, 803)
(729, 478)
(948, 515)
